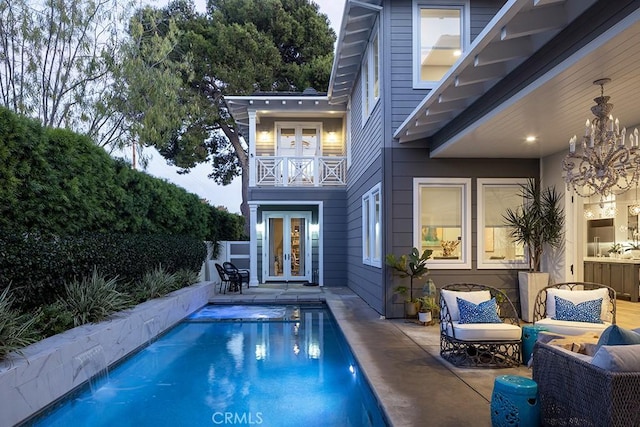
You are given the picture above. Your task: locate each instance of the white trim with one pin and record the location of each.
(465, 16)
(483, 264)
(368, 229)
(319, 204)
(253, 245)
(287, 249)
(252, 148)
(466, 233)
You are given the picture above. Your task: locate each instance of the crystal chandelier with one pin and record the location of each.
(605, 165)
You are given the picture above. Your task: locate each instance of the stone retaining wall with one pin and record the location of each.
(56, 365)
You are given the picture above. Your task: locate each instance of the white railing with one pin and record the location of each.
(301, 171)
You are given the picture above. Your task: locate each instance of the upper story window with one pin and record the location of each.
(298, 139)
(371, 75)
(496, 250)
(441, 35)
(442, 221)
(372, 227)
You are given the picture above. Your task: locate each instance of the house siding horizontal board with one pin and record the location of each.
(364, 280)
(407, 164)
(404, 97)
(333, 226)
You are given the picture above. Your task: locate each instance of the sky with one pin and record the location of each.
(197, 181)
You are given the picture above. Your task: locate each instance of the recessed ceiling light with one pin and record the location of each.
(530, 138)
(457, 52)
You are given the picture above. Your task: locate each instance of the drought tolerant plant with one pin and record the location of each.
(185, 277)
(93, 299)
(154, 284)
(16, 329)
(55, 319)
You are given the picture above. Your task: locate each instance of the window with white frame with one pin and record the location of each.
(371, 75)
(441, 35)
(496, 248)
(442, 221)
(372, 227)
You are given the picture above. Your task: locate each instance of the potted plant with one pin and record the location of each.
(414, 266)
(538, 223)
(428, 309)
(614, 250)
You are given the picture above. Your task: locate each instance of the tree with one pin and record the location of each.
(238, 47)
(56, 63)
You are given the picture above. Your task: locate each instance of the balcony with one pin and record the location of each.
(278, 171)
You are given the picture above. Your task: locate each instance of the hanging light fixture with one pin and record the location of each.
(605, 165)
(634, 209)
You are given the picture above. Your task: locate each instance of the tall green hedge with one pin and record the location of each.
(56, 181)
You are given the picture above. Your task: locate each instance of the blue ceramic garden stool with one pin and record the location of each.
(515, 402)
(529, 338)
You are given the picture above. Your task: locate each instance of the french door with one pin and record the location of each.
(286, 254)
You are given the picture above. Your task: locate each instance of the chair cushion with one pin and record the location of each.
(485, 331)
(568, 327)
(587, 311)
(618, 358)
(475, 297)
(615, 335)
(485, 312)
(578, 296)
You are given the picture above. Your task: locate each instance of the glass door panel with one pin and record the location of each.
(287, 246)
(276, 247)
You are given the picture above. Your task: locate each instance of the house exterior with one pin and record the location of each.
(421, 141)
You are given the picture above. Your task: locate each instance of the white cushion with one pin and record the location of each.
(618, 358)
(577, 297)
(485, 331)
(475, 297)
(567, 327)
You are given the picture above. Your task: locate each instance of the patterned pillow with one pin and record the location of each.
(485, 312)
(588, 311)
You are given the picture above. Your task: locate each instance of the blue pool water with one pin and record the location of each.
(277, 366)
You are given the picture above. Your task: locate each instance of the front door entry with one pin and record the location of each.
(287, 246)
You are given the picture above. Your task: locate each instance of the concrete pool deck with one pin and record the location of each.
(401, 360)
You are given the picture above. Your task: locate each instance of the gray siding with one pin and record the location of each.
(409, 163)
(400, 54)
(363, 279)
(366, 135)
(333, 228)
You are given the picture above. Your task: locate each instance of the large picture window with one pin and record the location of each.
(372, 227)
(440, 37)
(496, 249)
(442, 220)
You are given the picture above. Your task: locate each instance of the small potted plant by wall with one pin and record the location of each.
(414, 266)
(615, 250)
(537, 224)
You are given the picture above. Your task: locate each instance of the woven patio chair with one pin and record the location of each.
(236, 276)
(491, 345)
(224, 279)
(574, 392)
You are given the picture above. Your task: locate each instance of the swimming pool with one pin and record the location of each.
(232, 365)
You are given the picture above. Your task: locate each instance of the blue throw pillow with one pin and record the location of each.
(485, 312)
(615, 335)
(588, 311)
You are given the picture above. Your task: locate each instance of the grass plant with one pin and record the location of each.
(16, 329)
(93, 299)
(185, 277)
(155, 283)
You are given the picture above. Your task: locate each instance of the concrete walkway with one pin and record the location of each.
(414, 385)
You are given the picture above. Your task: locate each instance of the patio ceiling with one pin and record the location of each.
(552, 107)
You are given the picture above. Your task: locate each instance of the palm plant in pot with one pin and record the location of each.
(537, 224)
(414, 266)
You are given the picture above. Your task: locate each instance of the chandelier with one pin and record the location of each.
(605, 165)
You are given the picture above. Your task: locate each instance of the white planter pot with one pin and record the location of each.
(530, 284)
(424, 317)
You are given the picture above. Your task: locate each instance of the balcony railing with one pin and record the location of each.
(279, 171)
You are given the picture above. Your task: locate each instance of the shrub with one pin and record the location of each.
(16, 330)
(155, 283)
(55, 319)
(93, 299)
(186, 277)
